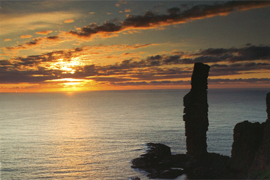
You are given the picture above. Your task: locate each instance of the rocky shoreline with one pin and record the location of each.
(250, 157)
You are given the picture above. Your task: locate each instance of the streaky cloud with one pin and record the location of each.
(249, 52)
(174, 16)
(160, 68)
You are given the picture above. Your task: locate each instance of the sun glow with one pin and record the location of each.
(67, 66)
(66, 79)
(71, 84)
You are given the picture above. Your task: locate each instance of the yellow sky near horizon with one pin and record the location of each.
(122, 45)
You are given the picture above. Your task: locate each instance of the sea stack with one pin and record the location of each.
(196, 112)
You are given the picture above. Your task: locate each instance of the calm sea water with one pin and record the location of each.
(95, 135)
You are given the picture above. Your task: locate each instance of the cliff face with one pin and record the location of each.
(262, 156)
(196, 112)
(247, 138)
(251, 147)
(250, 158)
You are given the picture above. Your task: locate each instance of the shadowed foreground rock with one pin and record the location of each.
(247, 138)
(158, 162)
(251, 148)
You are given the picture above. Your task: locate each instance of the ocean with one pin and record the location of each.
(95, 135)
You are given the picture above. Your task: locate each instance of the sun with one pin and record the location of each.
(67, 66)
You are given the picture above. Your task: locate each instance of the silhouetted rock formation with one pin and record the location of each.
(134, 178)
(251, 148)
(268, 105)
(247, 138)
(261, 161)
(250, 158)
(158, 162)
(196, 112)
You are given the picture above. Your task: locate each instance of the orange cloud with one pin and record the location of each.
(175, 16)
(25, 36)
(44, 32)
(67, 67)
(7, 40)
(91, 12)
(69, 21)
(34, 43)
(14, 23)
(127, 10)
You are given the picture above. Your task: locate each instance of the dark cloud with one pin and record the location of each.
(34, 42)
(237, 68)
(151, 19)
(93, 28)
(132, 83)
(156, 69)
(111, 79)
(53, 38)
(14, 76)
(210, 81)
(174, 10)
(240, 80)
(249, 52)
(5, 63)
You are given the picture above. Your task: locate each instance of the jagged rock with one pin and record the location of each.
(261, 161)
(157, 155)
(158, 151)
(247, 138)
(158, 162)
(268, 105)
(251, 148)
(134, 178)
(196, 112)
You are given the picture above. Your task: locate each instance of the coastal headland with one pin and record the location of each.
(250, 154)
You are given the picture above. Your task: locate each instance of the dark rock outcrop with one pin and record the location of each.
(157, 156)
(268, 105)
(196, 112)
(210, 166)
(247, 138)
(158, 162)
(261, 162)
(134, 178)
(250, 158)
(251, 148)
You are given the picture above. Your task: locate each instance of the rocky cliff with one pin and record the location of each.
(251, 148)
(250, 155)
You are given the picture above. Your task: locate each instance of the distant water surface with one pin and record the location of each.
(95, 135)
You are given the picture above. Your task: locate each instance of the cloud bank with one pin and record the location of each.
(174, 16)
(155, 69)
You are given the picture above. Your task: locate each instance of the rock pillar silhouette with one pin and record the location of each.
(196, 112)
(268, 105)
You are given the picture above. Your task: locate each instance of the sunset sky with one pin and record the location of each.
(49, 46)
